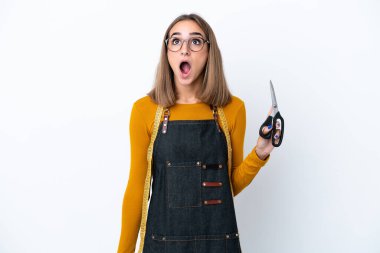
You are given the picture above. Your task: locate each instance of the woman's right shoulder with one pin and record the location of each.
(144, 109)
(144, 101)
(145, 104)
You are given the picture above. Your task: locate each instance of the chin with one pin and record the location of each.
(186, 82)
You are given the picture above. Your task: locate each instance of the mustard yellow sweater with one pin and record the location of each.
(141, 126)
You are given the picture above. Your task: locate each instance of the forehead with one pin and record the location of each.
(186, 27)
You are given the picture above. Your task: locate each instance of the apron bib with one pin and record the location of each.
(191, 208)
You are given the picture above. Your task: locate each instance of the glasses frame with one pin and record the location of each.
(187, 41)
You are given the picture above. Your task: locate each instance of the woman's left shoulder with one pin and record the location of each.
(234, 111)
(234, 105)
(236, 100)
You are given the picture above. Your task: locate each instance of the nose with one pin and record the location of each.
(184, 48)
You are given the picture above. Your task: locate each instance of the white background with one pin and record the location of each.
(71, 70)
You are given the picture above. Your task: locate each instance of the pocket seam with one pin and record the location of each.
(177, 165)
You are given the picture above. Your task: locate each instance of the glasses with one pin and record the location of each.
(175, 44)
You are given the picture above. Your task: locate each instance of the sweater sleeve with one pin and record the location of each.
(133, 196)
(243, 172)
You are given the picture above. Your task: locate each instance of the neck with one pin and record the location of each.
(187, 97)
(186, 94)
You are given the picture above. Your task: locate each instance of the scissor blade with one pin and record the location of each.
(274, 101)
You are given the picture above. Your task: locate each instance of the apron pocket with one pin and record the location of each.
(183, 181)
(156, 245)
(217, 245)
(180, 246)
(174, 244)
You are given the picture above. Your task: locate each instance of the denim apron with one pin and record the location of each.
(191, 207)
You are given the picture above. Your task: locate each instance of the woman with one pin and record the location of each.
(187, 136)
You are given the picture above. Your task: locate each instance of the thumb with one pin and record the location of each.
(266, 129)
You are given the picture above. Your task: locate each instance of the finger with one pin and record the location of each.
(266, 130)
(278, 124)
(277, 135)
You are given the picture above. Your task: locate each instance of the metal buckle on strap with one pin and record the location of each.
(166, 119)
(215, 114)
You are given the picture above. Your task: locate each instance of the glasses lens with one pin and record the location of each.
(174, 44)
(196, 44)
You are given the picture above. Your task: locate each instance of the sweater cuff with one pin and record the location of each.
(257, 159)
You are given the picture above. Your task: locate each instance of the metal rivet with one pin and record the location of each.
(169, 164)
(237, 234)
(204, 166)
(198, 163)
(163, 238)
(204, 184)
(205, 201)
(153, 236)
(227, 236)
(220, 166)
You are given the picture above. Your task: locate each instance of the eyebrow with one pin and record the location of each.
(193, 33)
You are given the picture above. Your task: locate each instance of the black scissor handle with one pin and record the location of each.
(267, 122)
(278, 124)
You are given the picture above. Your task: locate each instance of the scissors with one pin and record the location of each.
(277, 131)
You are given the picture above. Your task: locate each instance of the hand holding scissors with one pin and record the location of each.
(274, 122)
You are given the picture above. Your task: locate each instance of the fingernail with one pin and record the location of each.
(270, 126)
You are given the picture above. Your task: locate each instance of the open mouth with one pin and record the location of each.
(185, 67)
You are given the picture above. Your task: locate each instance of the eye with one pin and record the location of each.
(175, 41)
(197, 41)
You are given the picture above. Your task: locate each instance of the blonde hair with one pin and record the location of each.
(213, 91)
